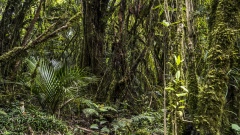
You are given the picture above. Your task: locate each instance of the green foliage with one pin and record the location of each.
(54, 83)
(142, 117)
(103, 119)
(110, 37)
(2, 112)
(178, 60)
(234, 74)
(177, 91)
(146, 123)
(98, 115)
(14, 122)
(165, 23)
(90, 112)
(236, 128)
(95, 109)
(178, 94)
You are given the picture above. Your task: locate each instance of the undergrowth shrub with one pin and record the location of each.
(108, 120)
(142, 124)
(14, 122)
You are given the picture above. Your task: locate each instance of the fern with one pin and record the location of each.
(121, 124)
(2, 112)
(147, 122)
(143, 117)
(107, 108)
(90, 112)
(89, 103)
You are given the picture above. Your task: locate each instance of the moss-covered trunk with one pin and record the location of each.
(222, 25)
(94, 23)
(11, 23)
(192, 41)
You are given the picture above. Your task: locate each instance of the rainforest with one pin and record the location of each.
(120, 67)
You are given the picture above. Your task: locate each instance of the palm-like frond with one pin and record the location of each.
(56, 83)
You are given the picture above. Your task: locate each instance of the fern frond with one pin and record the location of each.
(143, 117)
(56, 83)
(90, 112)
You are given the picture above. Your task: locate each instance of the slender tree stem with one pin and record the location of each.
(164, 94)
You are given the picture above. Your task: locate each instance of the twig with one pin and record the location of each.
(88, 130)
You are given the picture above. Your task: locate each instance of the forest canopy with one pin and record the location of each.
(120, 67)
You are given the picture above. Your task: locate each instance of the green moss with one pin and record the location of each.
(6, 56)
(14, 122)
(193, 89)
(212, 97)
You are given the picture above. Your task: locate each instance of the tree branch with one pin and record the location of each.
(40, 39)
(31, 26)
(135, 65)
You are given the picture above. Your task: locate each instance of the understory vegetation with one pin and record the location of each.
(137, 67)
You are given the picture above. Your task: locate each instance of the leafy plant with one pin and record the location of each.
(178, 94)
(146, 123)
(99, 113)
(54, 83)
(94, 109)
(2, 112)
(236, 128)
(176, 87)
(14, 122)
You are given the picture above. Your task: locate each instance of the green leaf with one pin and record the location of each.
(107, 59)
(105, 130)
(184, 88)
(174, 106)
(177, 60)
(165, 23)
(181, 107)
(94, 126)
(205, 56)
(169, 88)
(156, 7)
(7, 133)
(103, 109)
(182, 101)
(103, 122)
(90, 104)
(107, 108)
(181, 94)
(2, 112)
(235, 127)
(143, 117)
(177, 75)
(90, 112)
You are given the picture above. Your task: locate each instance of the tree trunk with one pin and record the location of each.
(10, 26)
(94, 23)
(223, 24)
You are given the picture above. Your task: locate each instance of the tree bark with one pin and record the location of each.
(94, 23)
(10, 26)
(223, 23)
